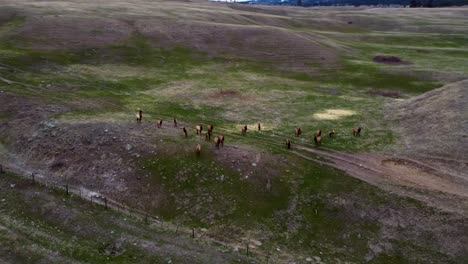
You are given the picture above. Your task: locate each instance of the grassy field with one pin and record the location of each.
(99, 76)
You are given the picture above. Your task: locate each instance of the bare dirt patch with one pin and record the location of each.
(391, 94)
(333, 114)
(390, 60)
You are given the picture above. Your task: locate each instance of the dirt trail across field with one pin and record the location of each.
(398, 174)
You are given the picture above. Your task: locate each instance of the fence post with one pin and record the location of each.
(105, 203)
(66, 189)
(193, 232)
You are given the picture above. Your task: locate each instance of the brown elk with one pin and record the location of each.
(198, 149)
(208, 136)
(221, 140)
(199, 129)
(288, 143)
(318, 133)
(259, 127)
(357, 132)
(244, 130)
(210, 128)
(185, 131)
(159, 123)
(175, 122)
(331, 133)
(297, 132)
(318, 140)
(217, 142)
(139, 116)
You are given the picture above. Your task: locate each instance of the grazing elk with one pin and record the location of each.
(217, 142)
(139, 116)
(357, 132)
(175, 122)
(198, 149)
(199, 129)
(297, 132)
(318, 133)
(221, 140)
(259, 127)
(288, 143)
(318, 140)
(331, 133)
(244, 130)
(185, 131)
(159, 123)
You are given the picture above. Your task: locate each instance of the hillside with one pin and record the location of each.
(74, 74)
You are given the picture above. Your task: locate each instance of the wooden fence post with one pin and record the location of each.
(193, 232)
(105, 203)
(66, 189)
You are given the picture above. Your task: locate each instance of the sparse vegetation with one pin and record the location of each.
(68, 112)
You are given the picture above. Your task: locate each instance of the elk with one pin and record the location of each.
(159, 123)
(318, 133)
(331, 133)
(208, 136)
(210, 128)
(259, 127)
(199, 129)
(357, 132)
(139, 116)
(288, 143)
(217, 141)
(175, 122)
(244, 130)
(297, 132)
(221, 140)
(185, 131)
(198, 149)
(318, 140)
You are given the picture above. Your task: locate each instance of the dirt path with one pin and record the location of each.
(398, 174)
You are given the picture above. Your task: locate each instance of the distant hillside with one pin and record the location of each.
(412, 3)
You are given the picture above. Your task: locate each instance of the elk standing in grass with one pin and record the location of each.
(208, 136)
(288, 143)
(297, 132)
(331, 133)
(198, 150)
(159, 123)
(244, 130)
(185, 131)
(210, 128)
(221, 140)
(217, 142)
(318, 133)
(139, 116)
(175, 122)
(318, 140)
(199, 129)
(357, 132)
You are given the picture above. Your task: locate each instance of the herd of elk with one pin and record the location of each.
(219, 141)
